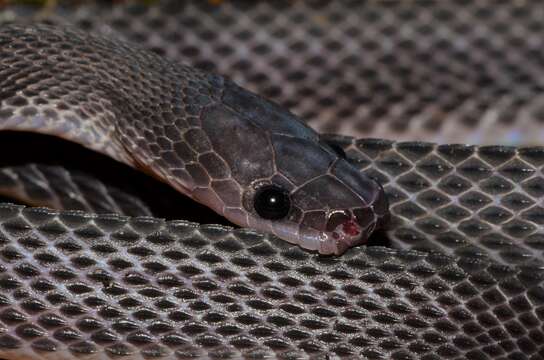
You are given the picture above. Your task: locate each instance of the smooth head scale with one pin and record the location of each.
(290, 182)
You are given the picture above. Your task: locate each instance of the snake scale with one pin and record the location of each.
(463, 276)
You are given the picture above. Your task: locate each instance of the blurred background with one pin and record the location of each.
(408, 70)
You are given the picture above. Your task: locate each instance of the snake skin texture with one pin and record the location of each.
(446, 72)
(110, 286)
(81, 285)
(56, 188)
(199, 132)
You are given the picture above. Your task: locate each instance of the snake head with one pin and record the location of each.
(330, 212)
(278, 176)
(359, 207)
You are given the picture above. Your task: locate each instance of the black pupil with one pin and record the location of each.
(272, 202)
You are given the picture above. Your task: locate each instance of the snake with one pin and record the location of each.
(462, 277)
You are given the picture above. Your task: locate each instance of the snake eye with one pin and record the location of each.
(272, 202)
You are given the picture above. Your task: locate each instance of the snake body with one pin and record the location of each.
(102, 286)
(204, 135)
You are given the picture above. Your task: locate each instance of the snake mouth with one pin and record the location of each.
(348, 228)
(347, 235)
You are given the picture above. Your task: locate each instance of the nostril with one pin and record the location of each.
(337, 219)
(345, 230)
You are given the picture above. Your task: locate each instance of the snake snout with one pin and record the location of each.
(352, 227)
(349, 228)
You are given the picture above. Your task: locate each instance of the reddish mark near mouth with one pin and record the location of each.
(351, 228)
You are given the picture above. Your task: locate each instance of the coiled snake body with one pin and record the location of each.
(105, 286)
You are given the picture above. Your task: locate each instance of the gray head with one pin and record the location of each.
(278, 177)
